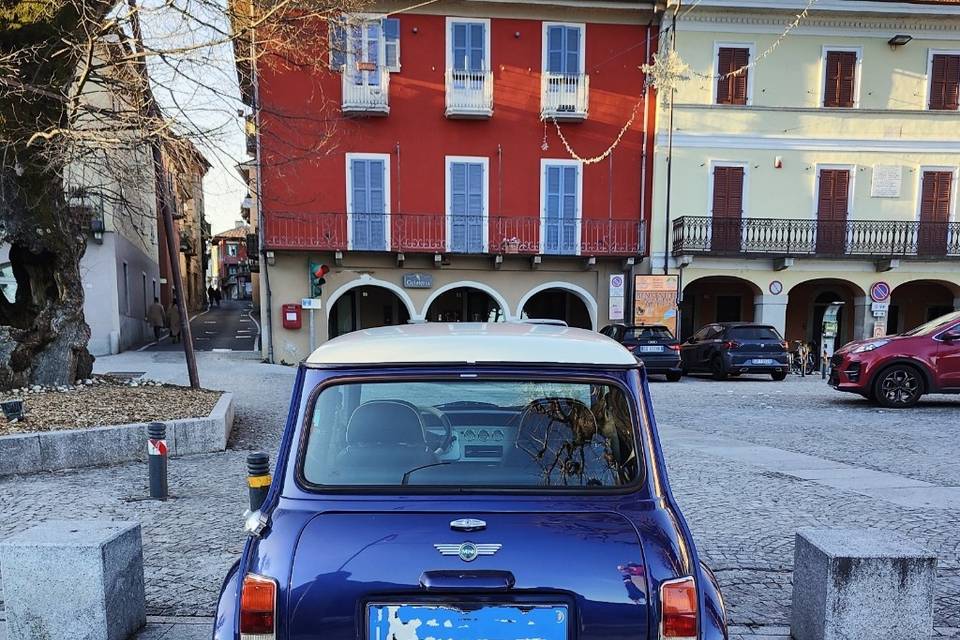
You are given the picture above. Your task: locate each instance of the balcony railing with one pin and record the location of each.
(438, 233)
(564, 96)
(366, 91)
(469, 94)
(790, 237)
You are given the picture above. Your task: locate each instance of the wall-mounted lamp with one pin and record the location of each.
(516, 34)
(416, 29)
(96, 229)
(899, 40)
(247, 202)
(778, 162)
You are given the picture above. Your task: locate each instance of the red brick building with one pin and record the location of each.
(434, 165)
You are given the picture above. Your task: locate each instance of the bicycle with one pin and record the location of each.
(802, 362)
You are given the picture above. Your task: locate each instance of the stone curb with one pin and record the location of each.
(98, 446)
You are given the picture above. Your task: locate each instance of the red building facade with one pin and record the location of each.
(478, 161)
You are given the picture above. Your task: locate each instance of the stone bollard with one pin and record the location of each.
(64, 580)
(861, 584)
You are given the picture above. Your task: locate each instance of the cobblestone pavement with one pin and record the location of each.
(743, 514)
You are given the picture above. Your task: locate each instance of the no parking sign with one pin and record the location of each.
(879, 291)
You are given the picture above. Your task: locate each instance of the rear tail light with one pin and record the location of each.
(258, 607)
(675, 347)
(678, 609)
(731, 344)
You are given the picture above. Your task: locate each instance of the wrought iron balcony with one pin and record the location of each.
(564, 96)
(438, 233)
(792, 237)
(366, 90)
(469, 94)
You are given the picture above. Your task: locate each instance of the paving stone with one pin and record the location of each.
(744, 515)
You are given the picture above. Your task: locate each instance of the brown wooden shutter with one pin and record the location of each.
(732, 89)
(935, 196)
(720, 190)
(834, 192)
(841, 79)
(945, 82)
(724, 66)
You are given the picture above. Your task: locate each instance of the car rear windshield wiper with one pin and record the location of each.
(406, 476)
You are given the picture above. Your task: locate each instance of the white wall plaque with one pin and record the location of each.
(887, 180)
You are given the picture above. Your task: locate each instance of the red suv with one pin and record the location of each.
(896, 370)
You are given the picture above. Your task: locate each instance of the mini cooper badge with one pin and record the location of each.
(468, 524)
(467, 551)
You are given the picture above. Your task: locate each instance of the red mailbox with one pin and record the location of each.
(292, 314)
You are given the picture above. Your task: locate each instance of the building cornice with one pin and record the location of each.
(683, 139)
(944, 27)
(858, 7)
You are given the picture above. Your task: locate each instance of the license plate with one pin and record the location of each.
(503, 622)
(651, 349)
(762, 361)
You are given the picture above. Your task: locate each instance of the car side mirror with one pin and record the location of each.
(950, 336)
(690, 340)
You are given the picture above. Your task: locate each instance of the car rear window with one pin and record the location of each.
(753, 333)
(647, 333)
(471, 433)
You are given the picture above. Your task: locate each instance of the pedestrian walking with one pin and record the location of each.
(157, 318)
(173, 321)
(219, 295)
(211, 296)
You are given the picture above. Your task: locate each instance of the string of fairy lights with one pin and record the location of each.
(667, 71)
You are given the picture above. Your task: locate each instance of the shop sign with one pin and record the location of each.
(417, 281)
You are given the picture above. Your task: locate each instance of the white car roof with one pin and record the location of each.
(472, 342)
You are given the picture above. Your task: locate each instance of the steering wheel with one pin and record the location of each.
(448, 436)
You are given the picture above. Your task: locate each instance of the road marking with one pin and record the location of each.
(257, 340)
(222, 350)
(209, 322)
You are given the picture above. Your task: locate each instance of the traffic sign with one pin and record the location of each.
(879, 291)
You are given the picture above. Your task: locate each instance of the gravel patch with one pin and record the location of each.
(105, 401)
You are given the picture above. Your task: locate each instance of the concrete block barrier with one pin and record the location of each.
(97, 446)
(64, 580)
(861, 584)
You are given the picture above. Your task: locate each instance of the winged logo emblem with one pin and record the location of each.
(467, 551)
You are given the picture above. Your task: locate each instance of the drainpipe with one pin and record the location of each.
(261, 237)
(628, 274)
(673, 91)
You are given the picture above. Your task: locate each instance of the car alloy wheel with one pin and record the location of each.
(716, 368)
(899, 387)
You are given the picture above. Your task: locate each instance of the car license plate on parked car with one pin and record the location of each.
(503, 622)
(651, 349)
(761, 361)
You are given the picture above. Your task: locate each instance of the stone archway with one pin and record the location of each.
(466, 302)
(560, 301)
(807, 301)
(716, 299)
(917, 301)
(367, 303)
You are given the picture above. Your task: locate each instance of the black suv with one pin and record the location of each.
(652, 343)
(731, 348)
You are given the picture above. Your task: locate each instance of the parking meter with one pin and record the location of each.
(828, 334)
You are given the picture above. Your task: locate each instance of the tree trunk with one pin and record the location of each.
(43, 335)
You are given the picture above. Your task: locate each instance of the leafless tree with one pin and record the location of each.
(75, 104)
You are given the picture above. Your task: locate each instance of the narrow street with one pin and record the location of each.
(229, 327)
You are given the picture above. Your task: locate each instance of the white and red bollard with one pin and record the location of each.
(157, 454)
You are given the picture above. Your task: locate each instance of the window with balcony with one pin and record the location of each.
(565, 85)
(368, 202)
(467, 221)
(469, 80)
(561, 190)
(944, 81)
(733, 76)
(841, 68)
(365, 49)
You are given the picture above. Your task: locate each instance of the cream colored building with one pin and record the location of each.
(827, 166)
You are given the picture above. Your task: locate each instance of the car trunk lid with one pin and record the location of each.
(370, 575)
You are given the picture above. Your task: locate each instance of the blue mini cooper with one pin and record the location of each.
(470, 482)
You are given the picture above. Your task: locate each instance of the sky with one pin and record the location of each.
(195, 82)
